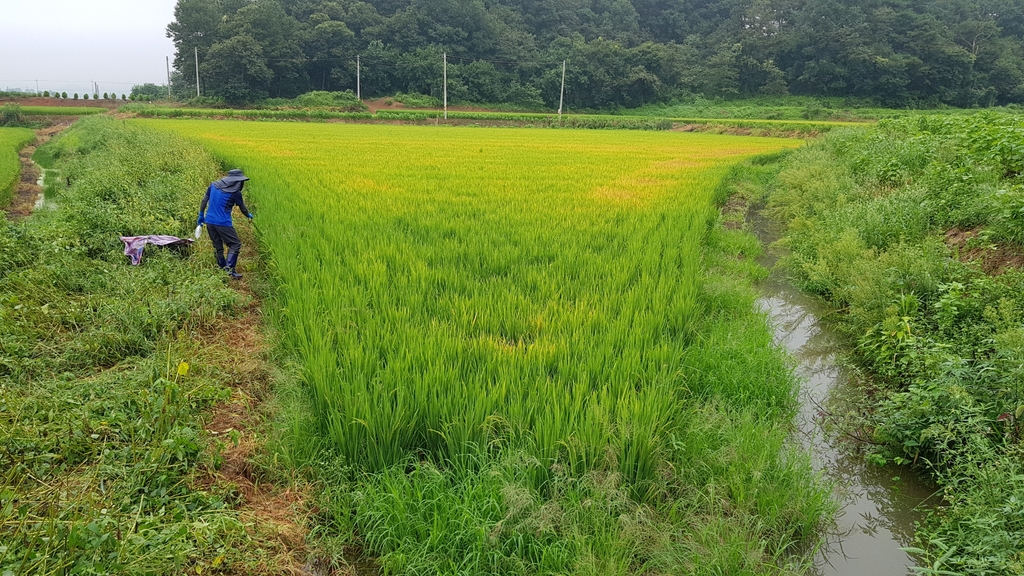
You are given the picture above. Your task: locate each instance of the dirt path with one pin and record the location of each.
(28, 189)
(274, 511)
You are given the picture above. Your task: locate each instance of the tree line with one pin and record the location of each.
(621, 53)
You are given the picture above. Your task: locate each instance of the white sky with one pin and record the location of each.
(67, 44)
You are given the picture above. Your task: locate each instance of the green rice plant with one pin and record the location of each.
(506, 342)
(61, 110)
(11, 141)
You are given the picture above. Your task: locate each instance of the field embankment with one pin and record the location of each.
(914, 231)
(526, 352)
(108, 373)
(794, 128)
(11, 142)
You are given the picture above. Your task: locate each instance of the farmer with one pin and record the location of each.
(221, 197)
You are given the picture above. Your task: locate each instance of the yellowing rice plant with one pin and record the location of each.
(511, 308)
(11, 140)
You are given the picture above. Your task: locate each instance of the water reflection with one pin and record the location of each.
(879, 506)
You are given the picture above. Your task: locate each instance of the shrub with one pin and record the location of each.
(10, 115)
(123, 97)
(106, 96)
(341, 101)
(85, 96)
(64, 95)
(414, 100)
(46, 93)
(76, 95)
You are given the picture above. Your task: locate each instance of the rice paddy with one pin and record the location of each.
(11, 140)
(61, 110)
(514, 358)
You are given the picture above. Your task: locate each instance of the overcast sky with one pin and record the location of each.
(67, 44)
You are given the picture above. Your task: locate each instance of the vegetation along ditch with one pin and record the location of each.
(912, 232)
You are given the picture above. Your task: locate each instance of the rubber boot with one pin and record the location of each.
(230, 266)
(221, 261)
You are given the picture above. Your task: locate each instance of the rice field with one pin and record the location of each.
(11, 141)
(61, 110)
(497, 326)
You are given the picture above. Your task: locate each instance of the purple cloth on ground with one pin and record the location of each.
(133, 245)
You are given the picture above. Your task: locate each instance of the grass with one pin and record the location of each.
(61, 110)
(11, 141)
(524, 352)
(103, 450)
(914, 229)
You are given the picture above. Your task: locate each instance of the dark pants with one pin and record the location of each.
(221, 235)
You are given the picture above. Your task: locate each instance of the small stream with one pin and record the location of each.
(878, 505)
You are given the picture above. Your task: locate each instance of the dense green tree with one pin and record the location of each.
(235, 70)
(621, 52)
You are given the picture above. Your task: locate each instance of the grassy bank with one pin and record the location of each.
(11, 141)
(785, 108)
(517, 363)
(914, 230)
(106, 371)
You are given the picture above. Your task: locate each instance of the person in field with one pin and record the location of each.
(215, 211)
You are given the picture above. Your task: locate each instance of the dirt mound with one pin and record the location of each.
(994, 258)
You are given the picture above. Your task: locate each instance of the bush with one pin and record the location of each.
(11, 115)
(85, 96)
(340, 101)
(64, 95)
(413, 100)
(76, 95)
(46, 93)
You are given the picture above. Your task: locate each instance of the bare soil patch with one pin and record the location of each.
(276, 514)
(383, 104)
(994, 258)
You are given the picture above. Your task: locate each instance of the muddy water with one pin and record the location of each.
(878, 506)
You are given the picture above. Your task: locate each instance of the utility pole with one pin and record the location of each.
(37, 86)
(359, 92)
(561, 96)
(445, 55)
(197, 72)
(168, 59)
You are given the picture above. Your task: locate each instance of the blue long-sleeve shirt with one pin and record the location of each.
(217, 205)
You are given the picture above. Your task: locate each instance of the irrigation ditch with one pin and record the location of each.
(878, 506)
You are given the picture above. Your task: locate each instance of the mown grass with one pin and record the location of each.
(11, 142)
(520, 349)
(101, 438)
(914, 229)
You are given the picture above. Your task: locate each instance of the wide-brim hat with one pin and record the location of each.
(235, 175)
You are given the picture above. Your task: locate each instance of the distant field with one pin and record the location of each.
(60, 110)
(788, 109)
(11, 140)
(594, 121)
